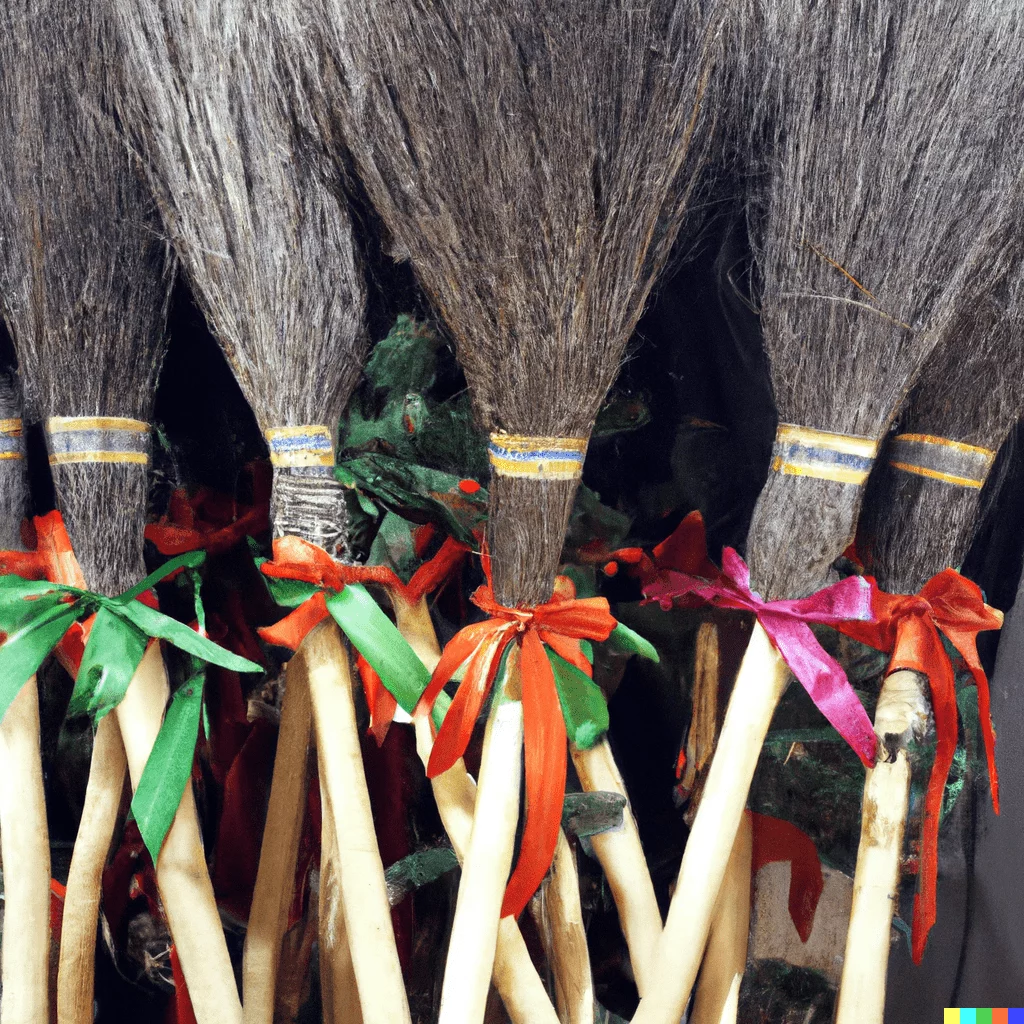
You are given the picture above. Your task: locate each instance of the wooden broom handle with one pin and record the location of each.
(621, 856)
(876, 880)
(363, 890)
(181, 872)
(725, 959)
(761, 681)
(560, 912)
(275, 877)
(339, 991)
(515, 977)
(26, 858)
(75, 973)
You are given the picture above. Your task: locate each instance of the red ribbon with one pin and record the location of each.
(561, 624)
(211, 521)
(297, 559)
(778, 840)
(681, 574)
(911, 629)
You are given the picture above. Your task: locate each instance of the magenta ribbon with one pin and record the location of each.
(786, 623)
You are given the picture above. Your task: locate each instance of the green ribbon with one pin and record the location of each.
(169, 766)
(584, 707)
(35, 615)
(369, 631)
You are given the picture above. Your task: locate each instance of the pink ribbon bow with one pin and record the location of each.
(785, 622)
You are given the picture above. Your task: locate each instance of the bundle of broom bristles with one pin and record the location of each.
(377, 596)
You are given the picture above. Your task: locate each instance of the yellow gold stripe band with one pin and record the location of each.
(537, 457)
(823, 454)
(308, 446)
(97, 439)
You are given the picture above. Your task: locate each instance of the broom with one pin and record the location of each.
(533, 161)
(86, 281)
(212, 102)
(23, 833)
(919, 514)
(879, 161)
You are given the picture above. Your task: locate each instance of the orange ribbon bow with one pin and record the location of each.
(297, 559)
(911, 628)
(561, 624)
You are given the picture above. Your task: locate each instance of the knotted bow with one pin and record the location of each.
(682, 574)
(911, 629)
(212, 521)
(560, 624)
(305, 577)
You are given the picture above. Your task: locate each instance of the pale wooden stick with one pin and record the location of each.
(621, 855)
(26, 856)
(275, 877)
(363, 890)
(515, 977)
(339, 992)
(75, 974)
(900, 709)
(561, 925)
(725, 959)
(181, 871)
(487, 861)
(761, 681)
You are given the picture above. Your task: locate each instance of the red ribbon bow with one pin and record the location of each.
(911, 629)
(561, 623)
(297, 559)
(211, 521)
(682, 574)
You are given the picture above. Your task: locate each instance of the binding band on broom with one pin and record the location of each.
(805, 451)
(12, 440)
(110, 439)
(307, 500)
(939, 458)
(537, 458)
(306, 447)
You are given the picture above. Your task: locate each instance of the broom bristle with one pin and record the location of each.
(533, 160)
(889, 130)
(923, 498)
(84, 274)
(14, 493)
(211, 100)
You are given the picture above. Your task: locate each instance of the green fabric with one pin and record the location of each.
(628, 641)
(34, 616)
(377, 639)
(583, 705)
(169, 767)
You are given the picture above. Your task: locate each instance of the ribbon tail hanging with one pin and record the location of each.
(544, 741)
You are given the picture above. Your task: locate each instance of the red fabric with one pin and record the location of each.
(242, 818)
(179, 1011)
(778, 840)
(211, 521)
(561, 623)
(58, 893)
(382, 705)
(909, 628)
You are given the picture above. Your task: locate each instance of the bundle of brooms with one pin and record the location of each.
(921, 509)
(877, 177)
(534, 162)
(214, 104)
(85, 281)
